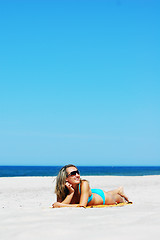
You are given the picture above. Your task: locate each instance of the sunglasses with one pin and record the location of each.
(74, 173)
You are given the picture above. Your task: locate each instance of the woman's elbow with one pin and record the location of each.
(56, 205)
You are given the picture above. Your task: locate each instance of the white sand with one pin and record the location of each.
(25, 211)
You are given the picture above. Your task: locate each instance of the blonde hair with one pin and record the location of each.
(61, 190)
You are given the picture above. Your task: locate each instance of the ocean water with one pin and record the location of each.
(17, 171)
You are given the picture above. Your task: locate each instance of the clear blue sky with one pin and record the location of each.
(80, 82)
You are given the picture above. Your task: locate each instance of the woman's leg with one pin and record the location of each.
(119, 191)
(113, 198)
(119, 199)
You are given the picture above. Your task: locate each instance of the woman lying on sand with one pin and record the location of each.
(73, 192)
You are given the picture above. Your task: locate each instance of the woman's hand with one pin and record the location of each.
(56, 205)
(70, 188)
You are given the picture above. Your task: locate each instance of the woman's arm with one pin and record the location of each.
(59, 205)
(65, 202)
(85, 188)
(69, 197)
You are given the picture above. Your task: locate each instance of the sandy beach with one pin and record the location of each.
(25, 211)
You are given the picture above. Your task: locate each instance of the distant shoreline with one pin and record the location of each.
(41, 171)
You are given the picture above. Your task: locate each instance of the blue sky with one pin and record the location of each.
(80, 82)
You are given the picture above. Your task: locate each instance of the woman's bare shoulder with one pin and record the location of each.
(84, 183)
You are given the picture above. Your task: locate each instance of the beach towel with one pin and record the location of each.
(114, 205)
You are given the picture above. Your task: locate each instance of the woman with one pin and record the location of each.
(73, 192)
